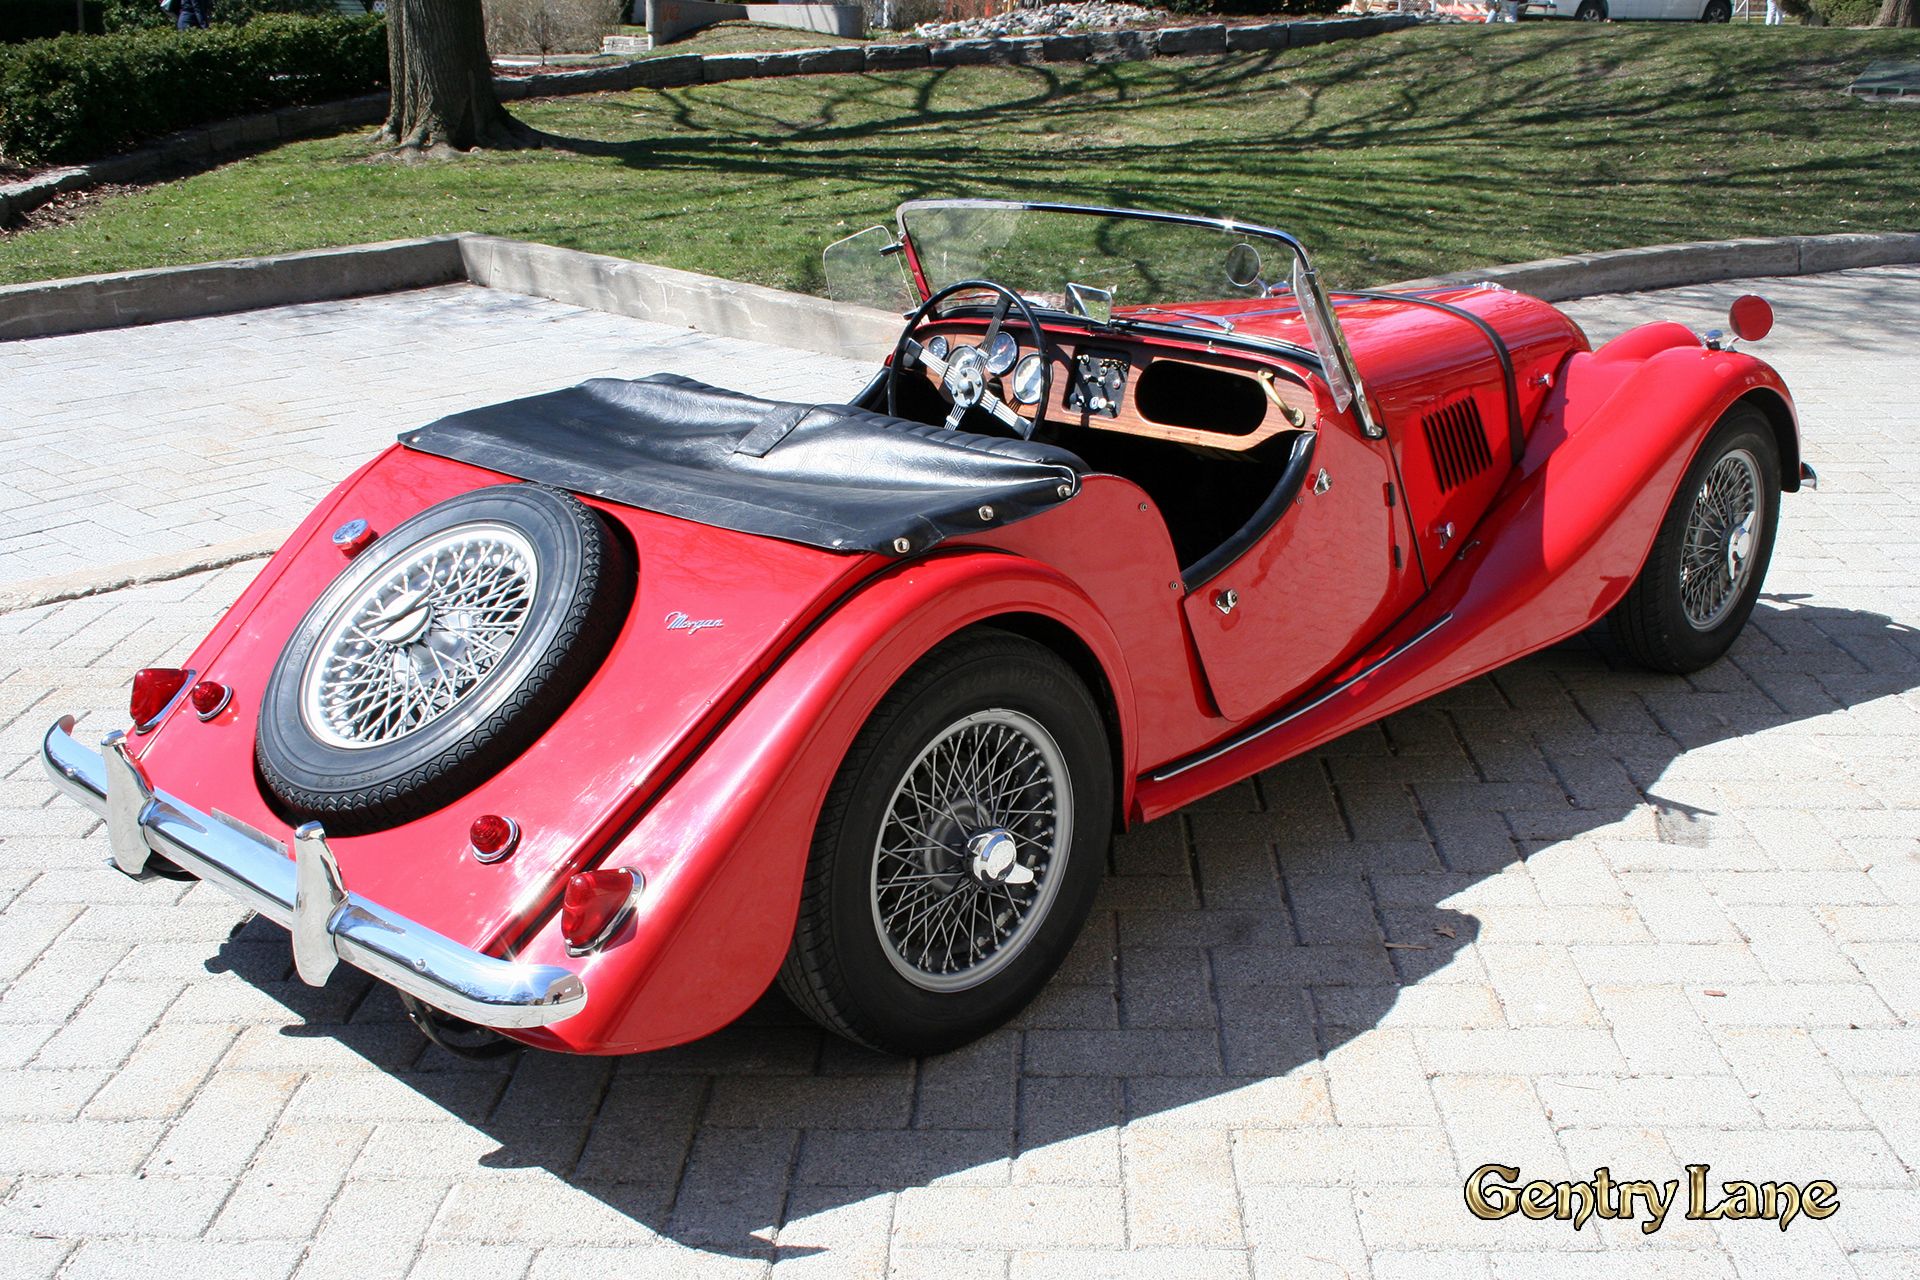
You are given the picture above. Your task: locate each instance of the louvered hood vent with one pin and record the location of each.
(1457, 442)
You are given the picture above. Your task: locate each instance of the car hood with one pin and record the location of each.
(712, 611)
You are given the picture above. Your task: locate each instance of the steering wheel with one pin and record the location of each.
(962, 373)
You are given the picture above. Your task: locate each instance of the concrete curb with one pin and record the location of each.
(204, 146)
(724, 307)
(729, 308)
(47, 308)
(59, 588)
(668, 296)
(1666, 266)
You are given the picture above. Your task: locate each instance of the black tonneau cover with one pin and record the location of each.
(829, 476)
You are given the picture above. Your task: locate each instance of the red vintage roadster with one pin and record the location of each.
(582, 719)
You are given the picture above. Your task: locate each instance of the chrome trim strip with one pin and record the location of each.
(1265, 727)
(304, 894)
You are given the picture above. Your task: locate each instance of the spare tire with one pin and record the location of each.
(439, 655)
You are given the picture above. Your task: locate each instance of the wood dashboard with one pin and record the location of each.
(1198, 398)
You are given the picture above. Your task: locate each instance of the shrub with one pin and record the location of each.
(144, 15)
(550, 26)
(39, 19)
(78, 98)
(1845, 13)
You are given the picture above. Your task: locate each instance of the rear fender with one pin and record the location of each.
(724, 849)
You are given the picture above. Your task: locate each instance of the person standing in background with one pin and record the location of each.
(1775, 15)
(192, 13)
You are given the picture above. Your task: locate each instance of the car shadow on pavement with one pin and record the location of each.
(1255, 962)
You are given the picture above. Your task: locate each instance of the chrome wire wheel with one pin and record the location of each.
(1722, 530)
(972, 850)
(417, 637)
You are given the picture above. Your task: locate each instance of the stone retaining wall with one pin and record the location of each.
(198, 147)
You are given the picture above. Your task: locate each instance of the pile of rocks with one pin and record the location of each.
(1043, 20)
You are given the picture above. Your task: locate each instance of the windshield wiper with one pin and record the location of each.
(1224, 324)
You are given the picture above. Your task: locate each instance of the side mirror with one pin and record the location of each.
(1094, 304)
(1751, 317)
(1243, 266)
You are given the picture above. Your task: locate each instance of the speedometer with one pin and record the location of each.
(1002, 352)
(937, 347)
(1029, 380)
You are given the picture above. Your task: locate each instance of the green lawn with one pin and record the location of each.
(1424, 150)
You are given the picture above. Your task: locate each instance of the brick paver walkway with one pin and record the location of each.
(1565, 917)
(132, 443)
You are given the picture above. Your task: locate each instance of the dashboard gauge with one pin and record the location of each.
(1027, 378)
(1002, 352)
(937, 347)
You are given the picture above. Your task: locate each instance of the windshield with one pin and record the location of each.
(1153, 265)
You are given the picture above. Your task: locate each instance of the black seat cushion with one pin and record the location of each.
(830, 476)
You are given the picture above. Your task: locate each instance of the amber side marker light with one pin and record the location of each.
(595, 904)
(209, 698)
(493, 837)
(154, 689)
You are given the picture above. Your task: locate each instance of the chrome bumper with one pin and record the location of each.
(304, 894)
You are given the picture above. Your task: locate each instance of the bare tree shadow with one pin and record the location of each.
(1236, 945)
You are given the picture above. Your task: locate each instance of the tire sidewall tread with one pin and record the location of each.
(575, 613)
(836, 968)
(1650, 623)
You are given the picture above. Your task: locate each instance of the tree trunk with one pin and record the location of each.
(442, 80)
(1898, 13)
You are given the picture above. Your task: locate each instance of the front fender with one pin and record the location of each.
(724, 849)
(1575, 527)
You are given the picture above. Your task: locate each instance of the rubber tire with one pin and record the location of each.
(579, 601)
(1591, 11)
(1717, 11)
(1649, 623)
(836, 969)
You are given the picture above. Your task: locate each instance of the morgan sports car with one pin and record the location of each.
(582, 719)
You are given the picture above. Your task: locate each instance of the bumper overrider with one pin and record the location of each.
(304, 894)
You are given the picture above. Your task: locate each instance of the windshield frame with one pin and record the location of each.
(1341, 357)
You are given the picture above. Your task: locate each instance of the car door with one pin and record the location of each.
(1328, 575)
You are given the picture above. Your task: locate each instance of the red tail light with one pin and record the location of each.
(595, 904)
(493, 837)
(154, 689)
(209, 698)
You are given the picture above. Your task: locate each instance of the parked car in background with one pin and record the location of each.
(1633, 10)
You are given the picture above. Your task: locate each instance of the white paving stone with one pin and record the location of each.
(1642, 921)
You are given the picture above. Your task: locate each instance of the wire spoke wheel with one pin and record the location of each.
(418, 637)
(971, 850)
(1717, 549)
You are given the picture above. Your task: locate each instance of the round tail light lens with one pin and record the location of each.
(154, 689)
(493, 837)
(209, 698)
(595, 904)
